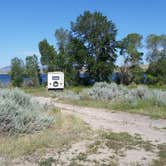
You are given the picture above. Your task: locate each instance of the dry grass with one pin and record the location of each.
(66, 130)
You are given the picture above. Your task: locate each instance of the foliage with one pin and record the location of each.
(17, 71)
(48, 55)
(97, 34)
(157, 72)
(137, 74)
(64, 61)
(132, 57)
(156, 45)
(87, 53)
(62, 37)
(129, 48)
(32, 70)
(113, 92)
(19, 114)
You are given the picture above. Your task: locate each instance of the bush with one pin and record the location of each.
(19, 114)
(112, 92)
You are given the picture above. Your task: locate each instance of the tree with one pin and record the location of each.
(17, 71)
(156, 45)
(48, 55)
(32, 69)
(62, 37)
(129, 48)
(97, 34)
(64, 60)
(78, 54)
(153, 46)
(157, 72)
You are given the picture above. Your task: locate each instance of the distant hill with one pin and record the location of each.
(5, 70)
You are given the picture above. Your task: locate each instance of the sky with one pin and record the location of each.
(24, 23)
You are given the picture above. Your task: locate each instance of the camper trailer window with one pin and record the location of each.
(55, 77)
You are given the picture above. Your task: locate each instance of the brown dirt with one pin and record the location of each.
(149, 129)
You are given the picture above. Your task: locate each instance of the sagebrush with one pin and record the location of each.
(103, 91)
(114, 92)
(20, 114)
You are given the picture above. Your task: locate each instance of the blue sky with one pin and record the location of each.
(23, 23)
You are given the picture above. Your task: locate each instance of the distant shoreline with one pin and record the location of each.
(4, 73)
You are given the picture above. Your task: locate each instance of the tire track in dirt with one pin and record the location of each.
(149, 129)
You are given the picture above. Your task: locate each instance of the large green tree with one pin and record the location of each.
(17, 72)
(157, 72)
(62, 37)
(130, 46)
(129, 49)
(32, 69)
(97, 33)
(78, 54)
(62, 60)
(48, 55)
(156, 45)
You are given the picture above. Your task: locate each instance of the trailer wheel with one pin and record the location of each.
(55, 84)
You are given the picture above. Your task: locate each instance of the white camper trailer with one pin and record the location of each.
(55, 80)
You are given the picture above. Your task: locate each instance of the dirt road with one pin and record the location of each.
(149, 129)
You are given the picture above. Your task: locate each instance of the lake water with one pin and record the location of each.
(5, 78)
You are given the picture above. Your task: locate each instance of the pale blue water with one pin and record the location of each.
(5, 78)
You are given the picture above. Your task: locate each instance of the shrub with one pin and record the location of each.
(117, 93)
(20, 114)
(113, 92)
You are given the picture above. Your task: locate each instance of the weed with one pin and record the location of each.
(47, 162)
(162, 156)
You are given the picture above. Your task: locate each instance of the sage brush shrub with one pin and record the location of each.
(20, 114)
(119, 93)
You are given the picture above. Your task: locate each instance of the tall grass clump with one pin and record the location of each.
(20, 114)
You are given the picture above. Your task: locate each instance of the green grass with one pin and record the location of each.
(77, 89)
(37, 91)
(162, 156)
(118, 141)
(142, 107)
(47, 162)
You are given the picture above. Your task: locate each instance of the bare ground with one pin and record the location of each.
(149, 129)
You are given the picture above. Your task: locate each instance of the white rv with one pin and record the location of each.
(55, 80)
